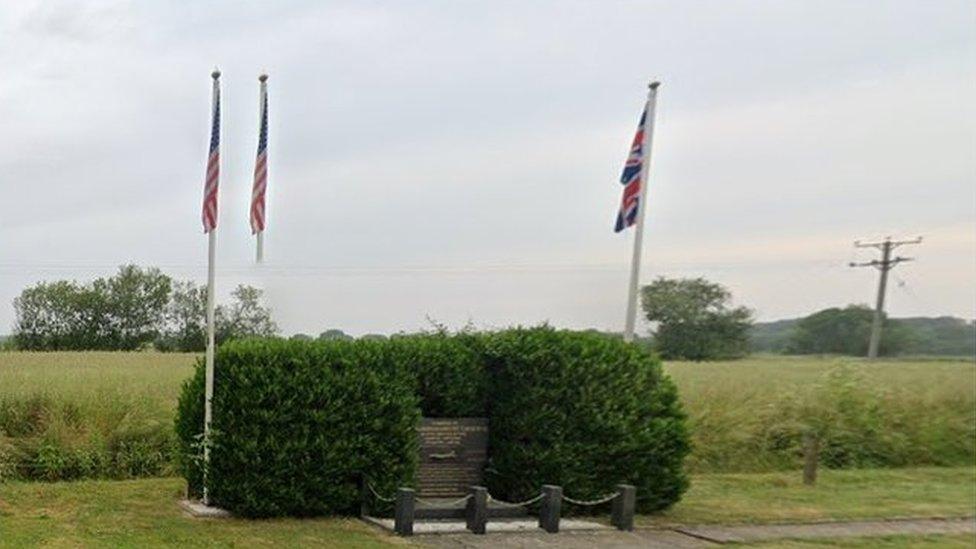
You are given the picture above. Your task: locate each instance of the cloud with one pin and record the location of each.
(461, 161)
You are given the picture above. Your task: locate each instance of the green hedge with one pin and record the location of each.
(298, 424)
(448, 370)
(583, 411)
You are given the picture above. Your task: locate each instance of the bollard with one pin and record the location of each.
(552, 501)
(623, 507)
(403, 515)
(477, 510)
(811, 456)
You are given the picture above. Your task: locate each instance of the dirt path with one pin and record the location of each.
(704, 536)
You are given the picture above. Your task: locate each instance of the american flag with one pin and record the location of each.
(260, 168)
(631, 179)
(213, 164)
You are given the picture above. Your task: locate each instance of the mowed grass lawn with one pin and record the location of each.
(142, 513)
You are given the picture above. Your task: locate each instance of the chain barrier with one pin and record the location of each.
(591, 502)
(529, 501)
(379, 497)
(444, 504)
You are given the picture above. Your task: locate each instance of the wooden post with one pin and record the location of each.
(477, 510)
(811, 456)
(552, 501)
(404, 513)
(622, 514)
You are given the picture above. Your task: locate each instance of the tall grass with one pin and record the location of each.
(752, 415)
(76, 415)
(88, 415)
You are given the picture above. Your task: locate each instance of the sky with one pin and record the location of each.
(458, 162)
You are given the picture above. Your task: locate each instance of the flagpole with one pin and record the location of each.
(259, 247)
(262, 104)
(639, 229)
(208, 394)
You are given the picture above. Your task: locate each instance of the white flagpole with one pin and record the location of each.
(259, 251)
(208, 394)
(259, 241)
(642, 202)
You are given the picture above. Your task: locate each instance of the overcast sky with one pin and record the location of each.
(458, 161)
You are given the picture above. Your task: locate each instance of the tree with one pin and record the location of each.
(246, 317)
(694, 319)
(123, 312)
(130, 310)
(134, 302)
(334, 334)
(47, 317)
(186, 318)
(847, 332)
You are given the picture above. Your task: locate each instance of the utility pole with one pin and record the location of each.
(884, 265)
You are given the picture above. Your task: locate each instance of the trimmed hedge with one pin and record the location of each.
(449, 372)
(584, 411)
(298, 424)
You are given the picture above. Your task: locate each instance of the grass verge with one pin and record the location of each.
(838, 495)
(144, 513)
(141, 513)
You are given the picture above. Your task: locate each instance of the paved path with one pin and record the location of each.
(703, 536)
(567, 540)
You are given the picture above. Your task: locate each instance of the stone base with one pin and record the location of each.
(427, 527)
(197, 509)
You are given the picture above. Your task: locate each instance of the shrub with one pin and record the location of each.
(450, 377)
(584, 411)
(141, 451)
(298, 424)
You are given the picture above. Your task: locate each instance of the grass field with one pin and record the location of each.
(142, 513)
(110, 415)
(749, 415)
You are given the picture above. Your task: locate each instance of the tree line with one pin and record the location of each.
(694, 319)
(690, 319)
(846, 330)
(137, 308)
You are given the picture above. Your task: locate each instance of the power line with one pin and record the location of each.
(885, 264)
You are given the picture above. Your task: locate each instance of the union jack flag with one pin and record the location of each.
(260, 168)
(631, 179)
(213, 164)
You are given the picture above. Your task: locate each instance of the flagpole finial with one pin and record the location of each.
(654, 85)
(263, 78)
(215, 74)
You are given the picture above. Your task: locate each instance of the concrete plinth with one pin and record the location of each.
(197, 509)
(497, 526)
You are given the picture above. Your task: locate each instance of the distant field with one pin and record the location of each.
(76, 415)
